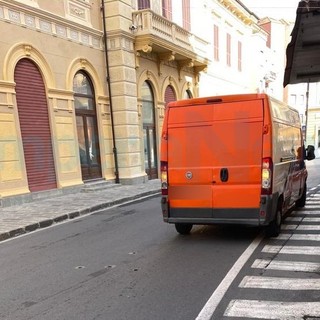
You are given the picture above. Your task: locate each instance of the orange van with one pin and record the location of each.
(235, 159)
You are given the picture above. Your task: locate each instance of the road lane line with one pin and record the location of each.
(279, 283)
(286, 265)
(211, 305)
(272, 309)
(305, 250)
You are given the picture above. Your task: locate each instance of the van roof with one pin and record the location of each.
(218, 99)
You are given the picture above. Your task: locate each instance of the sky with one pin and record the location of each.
(278, 9)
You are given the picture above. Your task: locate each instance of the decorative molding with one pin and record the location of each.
(63, 27)
(27, 50)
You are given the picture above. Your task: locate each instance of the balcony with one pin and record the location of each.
(168, 40)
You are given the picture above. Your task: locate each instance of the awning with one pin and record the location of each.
(303, 52)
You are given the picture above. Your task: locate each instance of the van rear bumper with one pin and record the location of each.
(259, 216)
(214, 216)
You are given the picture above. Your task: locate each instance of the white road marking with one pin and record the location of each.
(286, 265)
(305, 250)
(309, 227)
(272, 309)
(211, 305)
(305, 212)
(311, 220)
(293, 219)
(279, 283)
(308, 237)
(311, 206)
(289, 227)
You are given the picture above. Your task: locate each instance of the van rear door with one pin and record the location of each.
(214, 158)
(190, 159)
(237, 135)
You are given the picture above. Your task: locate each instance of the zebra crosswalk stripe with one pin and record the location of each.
(280, 283)
(286, 265)
(303, 250)
(257, 309)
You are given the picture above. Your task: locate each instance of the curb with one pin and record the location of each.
(72, 215)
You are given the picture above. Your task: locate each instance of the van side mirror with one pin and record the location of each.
(310, 153)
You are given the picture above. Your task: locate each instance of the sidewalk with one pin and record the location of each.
(19, 219)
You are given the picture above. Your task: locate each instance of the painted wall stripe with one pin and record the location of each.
(279, 283)
(286, 265)
(211, 305)
(272, 309)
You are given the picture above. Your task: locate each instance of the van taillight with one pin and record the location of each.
(267, 170)
(164, 178)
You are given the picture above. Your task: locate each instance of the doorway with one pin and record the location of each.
(149, 132)
(87, 128)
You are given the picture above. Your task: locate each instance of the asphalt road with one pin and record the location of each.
(122, 263)
(125, 263)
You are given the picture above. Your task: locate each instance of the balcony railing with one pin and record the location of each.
(156, 32)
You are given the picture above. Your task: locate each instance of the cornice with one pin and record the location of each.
(43, 21)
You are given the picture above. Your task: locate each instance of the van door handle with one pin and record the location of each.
(224, 174)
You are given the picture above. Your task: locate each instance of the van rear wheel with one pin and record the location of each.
(183, 228)
(274, 227)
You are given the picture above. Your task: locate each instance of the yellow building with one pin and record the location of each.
(84, 85)
(58, 126)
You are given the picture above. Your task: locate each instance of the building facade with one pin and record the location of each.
(84, 84)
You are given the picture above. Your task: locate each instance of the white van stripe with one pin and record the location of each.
(305, 250)
(280, 283)
(272, 309)
(286, 265)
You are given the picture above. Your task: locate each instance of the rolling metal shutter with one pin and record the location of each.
(169, 95)
(35, 126)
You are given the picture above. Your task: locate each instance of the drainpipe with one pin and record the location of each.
(307, 107)
(115, 155)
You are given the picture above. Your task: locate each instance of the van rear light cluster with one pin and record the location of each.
(266, 181)
(164, 178)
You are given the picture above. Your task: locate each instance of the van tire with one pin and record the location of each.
(274, 227)
(183, 228)
(300, 203)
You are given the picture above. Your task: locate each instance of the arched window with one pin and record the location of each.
(149, 131)
(87, 128)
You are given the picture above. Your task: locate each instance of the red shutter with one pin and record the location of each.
(186, 14)
(143, 4)
(216, 42)
(35, 127)
(167, 9)
(228, 49)
(169, 95)
(239, 56)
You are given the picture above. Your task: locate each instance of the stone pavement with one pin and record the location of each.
(19, 219)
